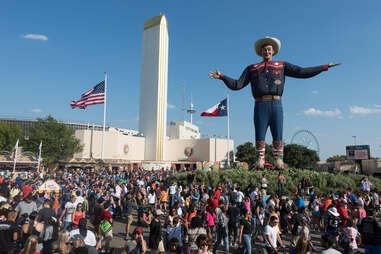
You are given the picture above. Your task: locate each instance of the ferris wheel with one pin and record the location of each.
(306, 138)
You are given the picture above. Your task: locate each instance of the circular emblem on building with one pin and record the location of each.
(126, 149)
(188, 151)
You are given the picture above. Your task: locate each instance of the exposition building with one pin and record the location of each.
(156, 144)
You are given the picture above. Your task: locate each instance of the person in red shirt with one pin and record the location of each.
(107, 216)
(213, 202)
(217, 194)
(343, 212)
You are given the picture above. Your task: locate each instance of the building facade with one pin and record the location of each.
(182, 130)
(132, 148)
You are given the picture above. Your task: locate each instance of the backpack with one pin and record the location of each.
(367, 227)
(344, 241)
(333, 221)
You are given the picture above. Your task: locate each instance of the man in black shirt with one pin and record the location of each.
(370, 230)
(245, 231)
(233, 224)
(97, 214)
(46, 213)
(8, 233)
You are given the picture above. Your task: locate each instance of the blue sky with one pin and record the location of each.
(79, 40)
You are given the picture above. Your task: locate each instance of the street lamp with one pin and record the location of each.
(354, 137)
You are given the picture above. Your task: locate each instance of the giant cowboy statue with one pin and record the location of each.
(267, 84)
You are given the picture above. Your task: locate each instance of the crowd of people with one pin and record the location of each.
(181, 217)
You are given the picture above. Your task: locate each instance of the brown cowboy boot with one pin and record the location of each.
(278, 154)
(260, 149)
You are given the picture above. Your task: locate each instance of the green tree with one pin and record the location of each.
(58, 140)
(337, 158)
(9, 133)
(246, 153)
(299, 156)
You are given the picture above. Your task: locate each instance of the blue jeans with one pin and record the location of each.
(268, 113)
(246, 239)
(372, 249)
(280, 189)
(222, 236)
(67, 225)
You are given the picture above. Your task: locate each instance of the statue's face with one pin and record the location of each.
(267, 52)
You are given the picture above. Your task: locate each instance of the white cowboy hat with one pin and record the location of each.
(267, 41)
(333, 211)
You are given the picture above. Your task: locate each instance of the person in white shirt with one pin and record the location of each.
(365, 184)
(67, 213)
(253, 194)
(89, 235)
(118, 191)
(272, 236)
(264, 182)
(152, 199)
(172, 192)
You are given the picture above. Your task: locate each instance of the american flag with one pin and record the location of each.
(91, 97)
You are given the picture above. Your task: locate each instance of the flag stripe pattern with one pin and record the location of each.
(94, 96)
(220, 109)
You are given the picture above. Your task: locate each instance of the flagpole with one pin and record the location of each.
(15, 159)
(104, 118)
(228, 123)
(39, 158)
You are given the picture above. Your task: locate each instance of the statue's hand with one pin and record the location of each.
(330, 65)
(215, 75)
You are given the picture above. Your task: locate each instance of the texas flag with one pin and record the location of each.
(221, 109)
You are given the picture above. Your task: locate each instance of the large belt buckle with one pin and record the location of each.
(267, 98)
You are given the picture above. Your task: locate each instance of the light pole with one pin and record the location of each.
(354, 137)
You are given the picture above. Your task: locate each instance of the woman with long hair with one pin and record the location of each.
(210, 218)
(61, 246)
(56, 206)
(77, 215)
(350, 234)
(31, 245)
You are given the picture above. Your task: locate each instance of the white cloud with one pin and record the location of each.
(315, 92)
(357, 110)
(36, 110)
(35, 37)
(318, 112)
(170, 106)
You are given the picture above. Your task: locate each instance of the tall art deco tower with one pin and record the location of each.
(153, 87)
